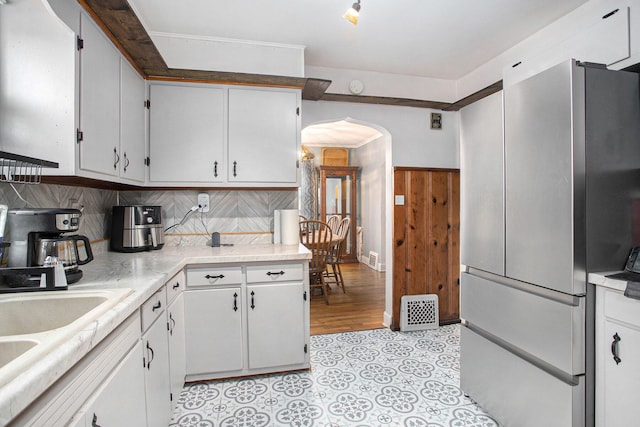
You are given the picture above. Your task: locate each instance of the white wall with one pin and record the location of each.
(414, 143)
(371, 184)
(385, 84)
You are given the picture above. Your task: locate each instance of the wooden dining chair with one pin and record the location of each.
(333, 273)
(317, 237)
(333, 222)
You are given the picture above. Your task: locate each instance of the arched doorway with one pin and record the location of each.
(370, 148)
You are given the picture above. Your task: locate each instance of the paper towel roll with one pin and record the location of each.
(289, 228)
(277, 233)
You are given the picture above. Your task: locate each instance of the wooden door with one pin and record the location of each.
(426, 228)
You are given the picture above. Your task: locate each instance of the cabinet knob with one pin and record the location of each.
(156, 306)
(209, 276)
(235, 164)
(94, 421)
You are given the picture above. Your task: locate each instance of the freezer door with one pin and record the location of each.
(544, 133)
(546, 327)
(482, 185)
(515, 392)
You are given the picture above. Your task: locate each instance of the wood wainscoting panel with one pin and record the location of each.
(426, 229)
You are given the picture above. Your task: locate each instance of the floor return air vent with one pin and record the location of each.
(418, 312)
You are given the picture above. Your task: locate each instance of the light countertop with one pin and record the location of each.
(601, 279)
(144, 273)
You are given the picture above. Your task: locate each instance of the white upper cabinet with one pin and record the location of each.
(187, 134)
(264, 135)
(112, 110)
(606, 40)
(37, 81)
(99, 101)
(214, 134)
(132, 121)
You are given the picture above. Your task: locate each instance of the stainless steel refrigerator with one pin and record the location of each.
(543, 204)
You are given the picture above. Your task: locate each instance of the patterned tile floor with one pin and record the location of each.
(368, 378)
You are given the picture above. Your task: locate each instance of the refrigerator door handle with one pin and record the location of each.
(572, 380)
(567, 299)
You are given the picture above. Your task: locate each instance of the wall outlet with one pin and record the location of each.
(203, 202)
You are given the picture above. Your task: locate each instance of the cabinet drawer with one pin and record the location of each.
(489, 375)
(214, 276)
(512, 315)
(153, 307)
(274, 273)
(619, 307)
(175, 286)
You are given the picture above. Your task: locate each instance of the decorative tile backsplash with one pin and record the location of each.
(96, 204)
(241, 216)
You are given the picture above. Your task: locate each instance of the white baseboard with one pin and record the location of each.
(386, 320)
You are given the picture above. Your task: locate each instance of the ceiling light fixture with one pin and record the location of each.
(353, 13)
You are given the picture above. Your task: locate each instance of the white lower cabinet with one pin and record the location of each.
(617, 356)
(246, 319)
(155, 347)
(119, 401)
(214, 330)
(276, 333)
(176, 336)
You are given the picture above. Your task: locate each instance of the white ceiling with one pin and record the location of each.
(432, 38)
(443, 39)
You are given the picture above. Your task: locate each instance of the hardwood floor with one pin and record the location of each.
(360, 308)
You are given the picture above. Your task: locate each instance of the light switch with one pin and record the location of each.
(400, 200)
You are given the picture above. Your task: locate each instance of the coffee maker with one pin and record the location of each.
(39, 235)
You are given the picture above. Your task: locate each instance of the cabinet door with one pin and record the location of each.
(621, 380)
(37, 99)
(264, 135)
(99, 101)
(156, 373)
(276, 324)
(132, 141)
(120, 400)
(175, 319)
(213, 324)
(186, 134)
(482, 185)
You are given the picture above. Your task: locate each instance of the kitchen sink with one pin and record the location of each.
(10, 350)
(33, 324)
(32, 314)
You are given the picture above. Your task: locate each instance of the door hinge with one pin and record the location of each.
(297, 111)
(147, 161)
(79, 135)
(147, 104)
(305, 348)
(304, 295)
(79, 43)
